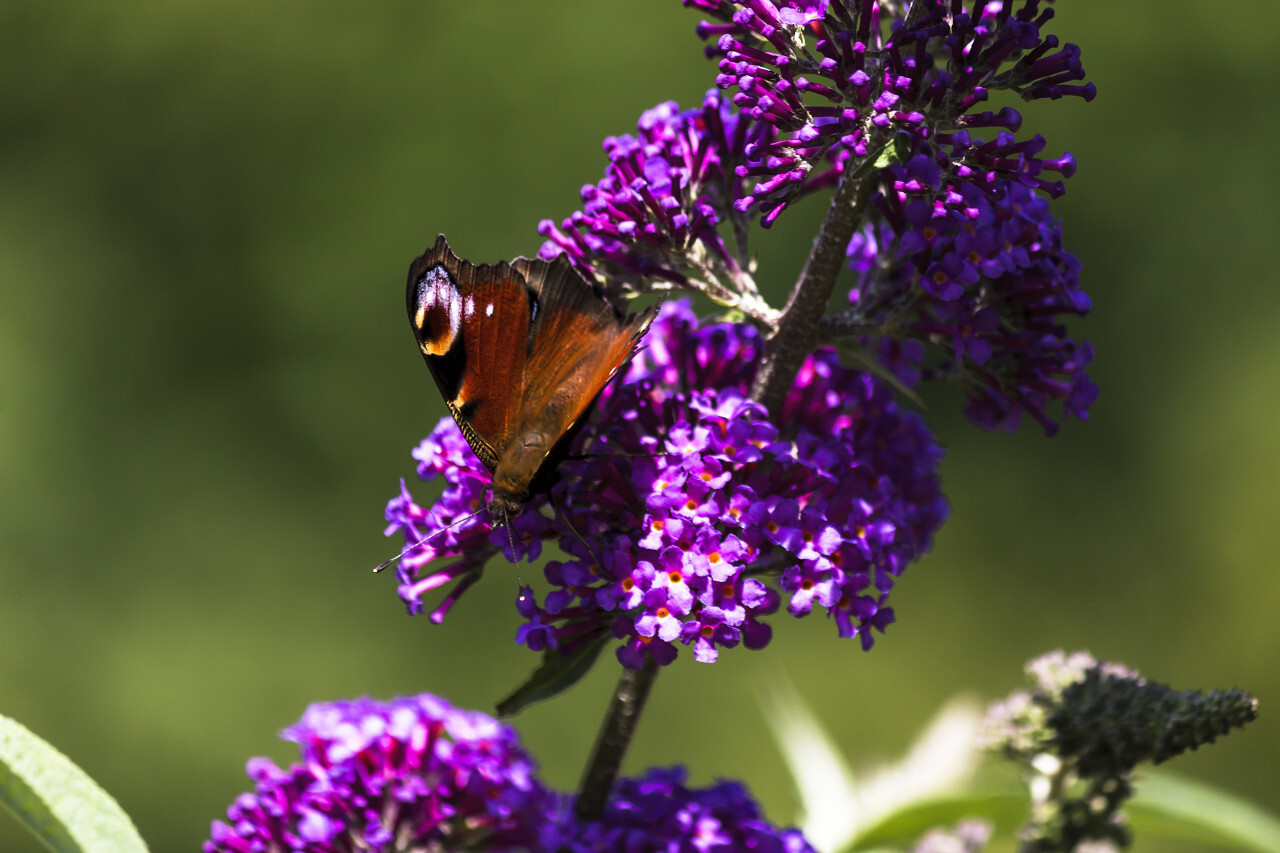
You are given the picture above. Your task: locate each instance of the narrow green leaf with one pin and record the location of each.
(860, 359)
(1173, 807)
(1006, 812)
(838, 806)
(57, 801)
(557, 674)
(1166, 808)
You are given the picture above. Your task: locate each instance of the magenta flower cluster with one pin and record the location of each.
(410, 774)
(817, 87)
(418, 774)
(838, 80)
(695, 516)
(659, 812)
(962, 271)
(988, 292)
(665, 192)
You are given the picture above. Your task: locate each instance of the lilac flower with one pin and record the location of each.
(988, 291)
(664, 193)
(657, 812)
(837, 82)
(411, 773)
(693, 502)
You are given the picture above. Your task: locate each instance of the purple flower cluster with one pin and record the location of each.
(693, 501)
(658, 812)
(987, 290)
(958, 255)
(664, 194)
(873, 73)
(417, 774)
(409, 774)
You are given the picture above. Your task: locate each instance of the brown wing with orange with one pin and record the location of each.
(472, 323)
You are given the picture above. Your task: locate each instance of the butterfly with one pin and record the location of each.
(520, 351)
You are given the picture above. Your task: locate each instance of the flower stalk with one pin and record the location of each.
(614, 738)
(800, 327)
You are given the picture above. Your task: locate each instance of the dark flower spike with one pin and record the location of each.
(1085, 727)
(699, 505)
(1110, 722)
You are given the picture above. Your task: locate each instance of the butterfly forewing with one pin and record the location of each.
(472, 325)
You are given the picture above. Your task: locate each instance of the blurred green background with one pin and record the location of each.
(209, 389)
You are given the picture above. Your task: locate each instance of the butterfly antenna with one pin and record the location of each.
(515, 555)
(424, 539)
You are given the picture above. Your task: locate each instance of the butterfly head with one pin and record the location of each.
(503, 508)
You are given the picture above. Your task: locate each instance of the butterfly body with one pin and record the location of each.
(520, 351)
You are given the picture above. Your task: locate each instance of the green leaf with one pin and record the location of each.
(895, 152)
(1165, 808)
(840, 807)
(860, 359)
(1168, 806)
(557, 674)
(905, 826)
(57, 801)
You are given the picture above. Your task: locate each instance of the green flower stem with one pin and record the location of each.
(800, 328)
(615, 737)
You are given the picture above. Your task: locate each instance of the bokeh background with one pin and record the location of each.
(208, 389)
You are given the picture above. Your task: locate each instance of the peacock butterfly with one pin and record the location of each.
(520, 351)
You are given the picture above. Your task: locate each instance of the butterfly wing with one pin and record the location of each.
(472, 323)
(577, 342)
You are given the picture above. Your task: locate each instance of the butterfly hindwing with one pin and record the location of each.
(576, 343)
